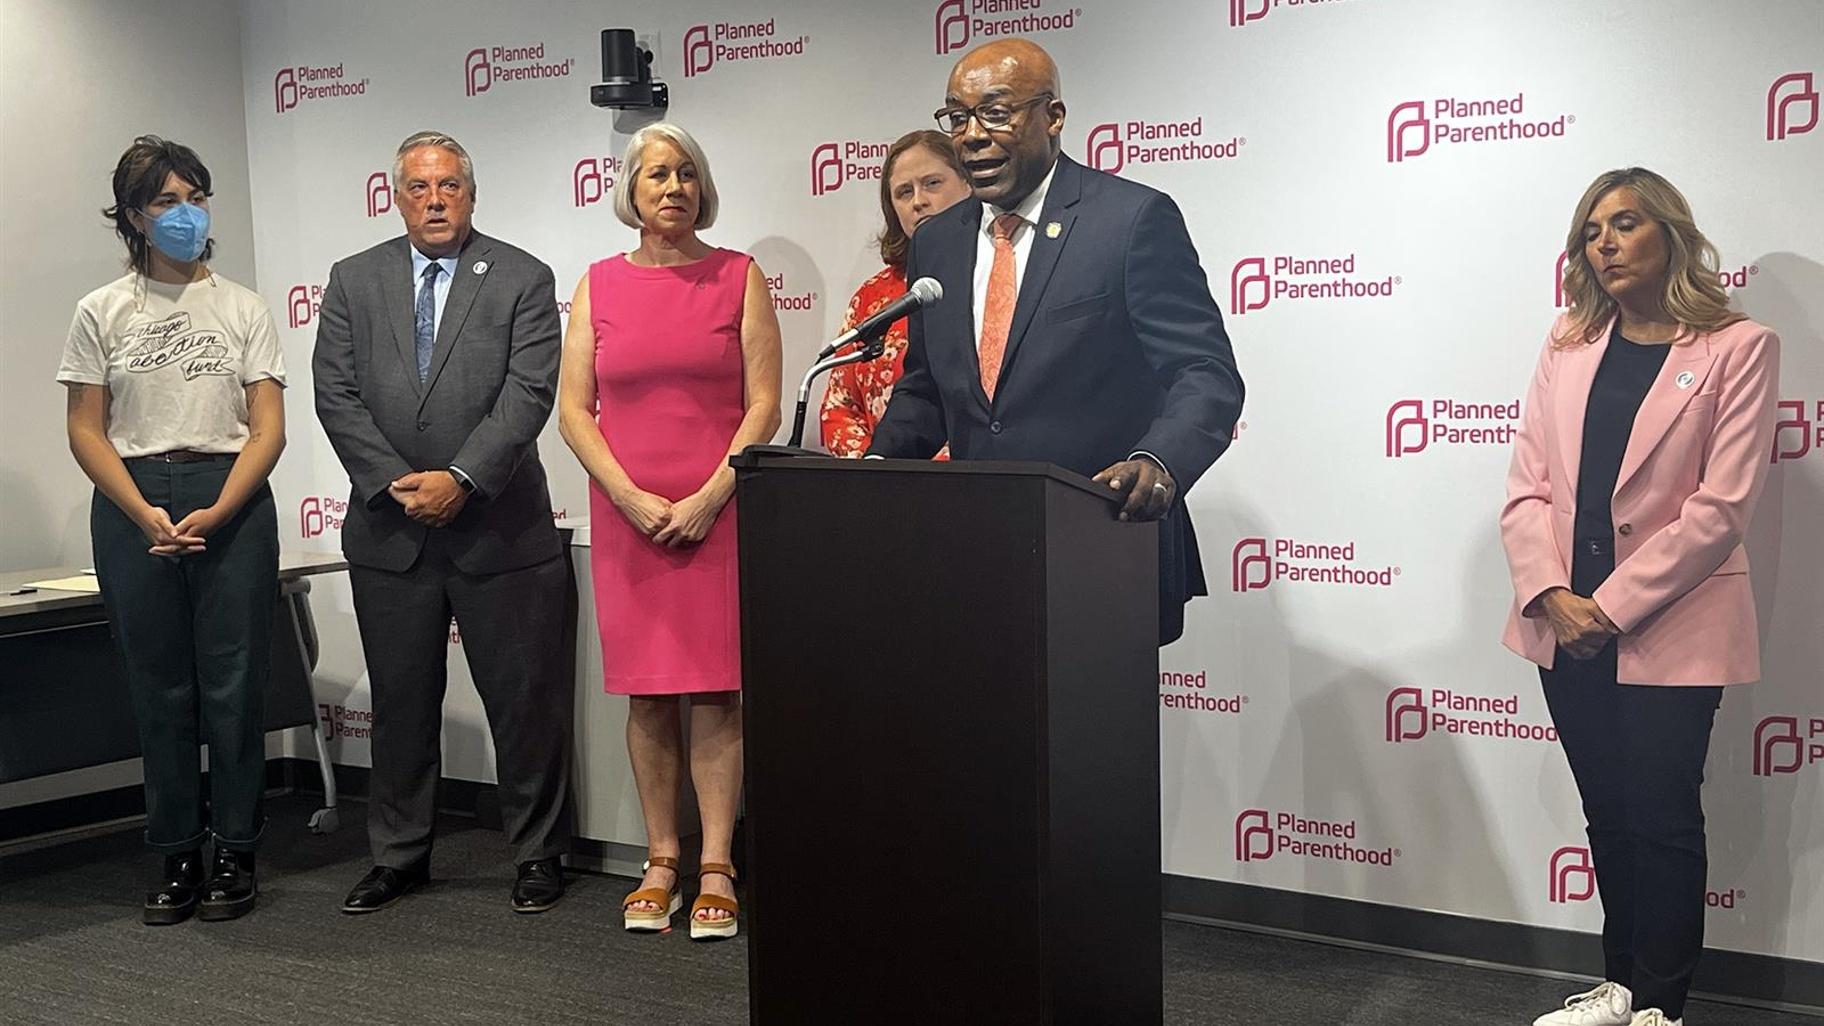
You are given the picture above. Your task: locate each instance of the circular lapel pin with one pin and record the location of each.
(1684, 379)
(481, 267)
(1053, 230)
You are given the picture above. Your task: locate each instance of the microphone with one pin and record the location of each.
(923, 293)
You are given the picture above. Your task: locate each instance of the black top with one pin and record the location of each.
(1622, 380)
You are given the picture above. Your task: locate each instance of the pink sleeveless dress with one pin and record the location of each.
(668, 379)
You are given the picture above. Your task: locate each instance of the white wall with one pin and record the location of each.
(78, 80)
(1298, 97)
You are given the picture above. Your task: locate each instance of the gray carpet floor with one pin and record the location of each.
(72, 953)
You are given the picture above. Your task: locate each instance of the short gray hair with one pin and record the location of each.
(418, 140)
(630, 169)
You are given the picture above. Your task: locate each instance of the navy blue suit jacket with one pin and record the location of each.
(1116, 346)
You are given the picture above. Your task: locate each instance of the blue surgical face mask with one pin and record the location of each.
(181, 232)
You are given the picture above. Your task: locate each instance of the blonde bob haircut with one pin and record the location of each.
(631, 167)
(1694, 293)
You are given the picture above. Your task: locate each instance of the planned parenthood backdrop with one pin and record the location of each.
(1379, 191)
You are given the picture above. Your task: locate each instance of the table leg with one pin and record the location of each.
(326, 819)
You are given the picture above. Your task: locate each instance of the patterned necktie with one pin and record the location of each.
(424, 326)
(997, 311)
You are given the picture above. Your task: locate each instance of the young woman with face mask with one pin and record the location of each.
(176, 413)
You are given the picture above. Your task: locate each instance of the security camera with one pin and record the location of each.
(627, 75)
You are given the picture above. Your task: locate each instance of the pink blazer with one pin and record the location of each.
(1694, 466)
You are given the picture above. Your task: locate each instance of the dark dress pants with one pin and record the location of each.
(195, 636)
(1637, 753)
(511, 626)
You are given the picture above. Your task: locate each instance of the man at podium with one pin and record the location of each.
(1079, 327)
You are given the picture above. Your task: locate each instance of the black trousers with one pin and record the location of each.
(1637, 753)
(512, 635)
(195, 635)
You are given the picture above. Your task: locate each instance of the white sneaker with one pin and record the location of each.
(1608, 1005)
(1654, 1017)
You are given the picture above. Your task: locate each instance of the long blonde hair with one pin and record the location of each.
(1694, 293)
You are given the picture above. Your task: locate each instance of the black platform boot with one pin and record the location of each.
(173, 896)
(230, 892)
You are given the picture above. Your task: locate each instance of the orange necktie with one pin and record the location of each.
(1003, 293)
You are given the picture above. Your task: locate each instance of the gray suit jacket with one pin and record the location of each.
(492, 382)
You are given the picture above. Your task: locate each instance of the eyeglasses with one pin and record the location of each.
(993, 116)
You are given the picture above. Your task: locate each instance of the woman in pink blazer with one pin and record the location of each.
(1635, 473)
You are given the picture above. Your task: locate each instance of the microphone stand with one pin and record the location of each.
(870, 350)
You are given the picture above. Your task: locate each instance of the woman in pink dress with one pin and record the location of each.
(671, 364)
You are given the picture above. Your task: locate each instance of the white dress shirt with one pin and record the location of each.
(1028, 212)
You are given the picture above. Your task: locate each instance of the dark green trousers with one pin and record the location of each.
(195, 635)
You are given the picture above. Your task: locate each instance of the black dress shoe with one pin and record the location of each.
(381, 887)
(231, 891)
(173, 896)
(540, 885)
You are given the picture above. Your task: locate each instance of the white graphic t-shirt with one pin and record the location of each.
(176, 360)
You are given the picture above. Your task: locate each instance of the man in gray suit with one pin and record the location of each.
(436, 367)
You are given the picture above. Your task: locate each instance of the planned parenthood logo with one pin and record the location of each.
(340, 721)
(960, 23)
(1113, 146)
(1416, 425)
(1246, 12)
(1263, 834)
(790, 302)
(485, 67)
(302, 303)
(592, 179)
(304, 83)
(379, 193)
(1259, 563)
(1573, 880)
(1573, 875)
(714, 45)
(1190, 692)
(1417, 713)
(1787, 744)
(320, 514)
(1798, 430)
(1792, 98)
(1259, 281)
(1728, 277)
(836, 164)
(1416, 127)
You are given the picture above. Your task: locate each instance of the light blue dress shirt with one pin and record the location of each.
(440, 293)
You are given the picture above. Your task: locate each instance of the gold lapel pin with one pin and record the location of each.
(1053, 230)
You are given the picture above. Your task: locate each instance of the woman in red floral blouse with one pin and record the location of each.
(922, 177)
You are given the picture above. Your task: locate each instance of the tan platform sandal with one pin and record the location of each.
(669, 900)
(713, 929)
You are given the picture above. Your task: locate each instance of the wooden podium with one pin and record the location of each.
(952, 745)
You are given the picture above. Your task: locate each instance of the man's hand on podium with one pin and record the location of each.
(1148, 487)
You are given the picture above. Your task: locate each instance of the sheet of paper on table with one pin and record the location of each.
(81, 582)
